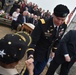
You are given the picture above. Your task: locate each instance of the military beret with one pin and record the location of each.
(61, 10)
(13, 47)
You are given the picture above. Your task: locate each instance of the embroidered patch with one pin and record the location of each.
(42, 21)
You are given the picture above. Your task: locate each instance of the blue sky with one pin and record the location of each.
(50, 4)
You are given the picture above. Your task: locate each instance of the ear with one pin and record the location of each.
(53, 15)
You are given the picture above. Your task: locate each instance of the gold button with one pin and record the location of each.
(9, 43)
(19, 48)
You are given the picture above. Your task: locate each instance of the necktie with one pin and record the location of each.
(57, 31)
(24, 19)
(55, 28)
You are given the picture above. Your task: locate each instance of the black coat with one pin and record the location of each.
(42, 37)
(20, 19)
(66, 46)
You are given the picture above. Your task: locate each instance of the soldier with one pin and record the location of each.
(45, 36)
(65, 54)
(12, 50)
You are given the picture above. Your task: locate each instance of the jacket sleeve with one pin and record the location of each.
(35, 38)
(64, 41)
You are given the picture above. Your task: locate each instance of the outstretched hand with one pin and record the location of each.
(30, 65)
(67, 58)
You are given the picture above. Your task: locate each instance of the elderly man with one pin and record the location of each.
(22, 18)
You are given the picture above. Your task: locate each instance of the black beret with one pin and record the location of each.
(13, 46)
(61, 10)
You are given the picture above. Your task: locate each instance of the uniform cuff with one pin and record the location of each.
(66, 55)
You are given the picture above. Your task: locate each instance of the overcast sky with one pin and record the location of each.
(50, 4)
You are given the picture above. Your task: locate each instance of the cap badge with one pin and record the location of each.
(65, 14)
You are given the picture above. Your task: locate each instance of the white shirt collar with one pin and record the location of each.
(5, 71)
(56, 26)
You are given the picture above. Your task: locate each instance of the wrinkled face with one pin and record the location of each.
(25, 13)
(18, 10)
(58, 20)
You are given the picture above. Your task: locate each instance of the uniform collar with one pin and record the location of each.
(56, 26)
(5, 71)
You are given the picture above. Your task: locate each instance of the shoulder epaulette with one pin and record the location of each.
(42, 21)
(30, 49)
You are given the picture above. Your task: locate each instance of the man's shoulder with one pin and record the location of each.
(45, 21)
(42, 21)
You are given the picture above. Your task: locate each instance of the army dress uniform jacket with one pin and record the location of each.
(67, 46)
(42, 37)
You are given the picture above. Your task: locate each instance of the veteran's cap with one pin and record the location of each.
(13, 46)
(61, 10)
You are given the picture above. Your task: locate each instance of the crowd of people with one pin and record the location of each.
(45, 39)
(16, 9)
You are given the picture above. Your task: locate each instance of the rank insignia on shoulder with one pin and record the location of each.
(42, 21)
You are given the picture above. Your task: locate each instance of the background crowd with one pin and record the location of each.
(23, 11)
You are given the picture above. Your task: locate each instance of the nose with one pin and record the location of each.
(60, 22)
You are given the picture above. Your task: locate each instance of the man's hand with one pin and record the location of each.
(30, 65)
(7, 4)
(52, 55)
(67, 58)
